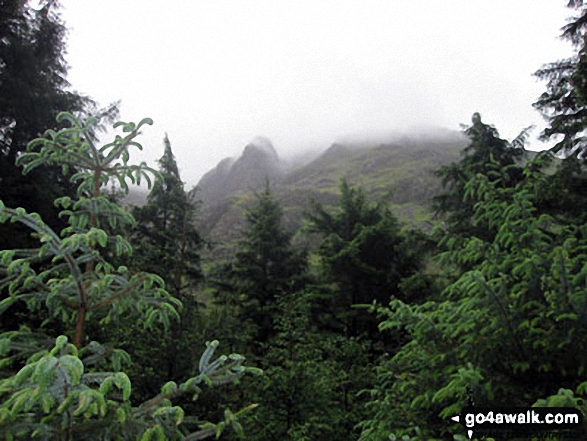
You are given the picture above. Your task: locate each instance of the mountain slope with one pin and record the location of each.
(258, 161)
(402, 170)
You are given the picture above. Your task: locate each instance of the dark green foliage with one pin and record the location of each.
(564, 197)
(506, 329)
(225, 309)
(266, 266)
(166, 240)
(363, 254)
(564, 104)
(311, 379)
(33, 90)
(295, 394)
(487, 153)
(167, 244)
(33, 87)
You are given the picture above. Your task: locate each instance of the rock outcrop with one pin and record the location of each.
(258, 162)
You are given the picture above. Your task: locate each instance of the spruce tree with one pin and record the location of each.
(486, 153)
(363, 253)
(266, 266)
(504, 331)
(564, 105)
(66, 387)
(167, 243)
(33, 90)
(166, 238)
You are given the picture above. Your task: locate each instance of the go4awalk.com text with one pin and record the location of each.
(520, 421)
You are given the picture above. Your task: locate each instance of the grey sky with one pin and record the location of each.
(215, 74)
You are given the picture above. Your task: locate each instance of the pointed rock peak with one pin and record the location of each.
(260, 144)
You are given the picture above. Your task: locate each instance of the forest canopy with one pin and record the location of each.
(354, 326)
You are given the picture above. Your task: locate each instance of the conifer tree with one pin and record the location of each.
(363, 252)
(167, 243)
(69, 386)
(564, 105)
(166, 239)
(308, 390)
(266, 266)
(33, 90)
(487, 153)
(504, 331)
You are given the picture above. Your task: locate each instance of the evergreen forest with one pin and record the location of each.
(117, 324)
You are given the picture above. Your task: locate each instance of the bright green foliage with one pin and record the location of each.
(78, 391)
(363, 253)
(80, 283)
(54, 386)
(567, 398)
(53, 397)
(507, 329)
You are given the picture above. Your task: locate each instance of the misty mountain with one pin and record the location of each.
(259, 161)
(400, 170)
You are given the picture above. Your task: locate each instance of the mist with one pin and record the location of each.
(307, 74)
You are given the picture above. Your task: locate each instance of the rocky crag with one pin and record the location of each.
(400, 169)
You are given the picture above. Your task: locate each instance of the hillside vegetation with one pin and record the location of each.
(342, 314)
(400, 171)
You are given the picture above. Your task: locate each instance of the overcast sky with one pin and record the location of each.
(215, 74)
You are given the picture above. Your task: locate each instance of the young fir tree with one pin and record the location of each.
(487, 153)
(72, 387)
(504, 332)
(266, 266)
(363, 254)
(166, 243)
